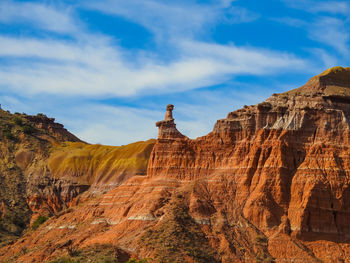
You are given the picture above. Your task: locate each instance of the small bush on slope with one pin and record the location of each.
(40, 220)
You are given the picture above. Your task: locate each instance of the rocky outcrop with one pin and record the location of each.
(54, 129)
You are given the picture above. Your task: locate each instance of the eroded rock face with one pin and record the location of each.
(270, 182)
(288, 158)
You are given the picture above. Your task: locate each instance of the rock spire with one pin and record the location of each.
(167, 127)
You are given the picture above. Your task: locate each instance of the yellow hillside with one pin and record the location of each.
(96, 164)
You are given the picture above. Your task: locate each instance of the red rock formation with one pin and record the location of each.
(270, 182)
(288, 158)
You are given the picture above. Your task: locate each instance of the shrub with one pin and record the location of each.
(18, 121)
(261, 239)
(72, 250)
(8, 135)
(28, 129)
(41, 115)
(40, 220)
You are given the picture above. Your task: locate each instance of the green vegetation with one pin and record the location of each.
(261, 239)
(40, 220)
(18, 121)
(263, 255)
(8, 134)
(41, 115)
(28, 129)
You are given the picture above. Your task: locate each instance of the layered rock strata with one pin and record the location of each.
(270, 183)
(288, 156)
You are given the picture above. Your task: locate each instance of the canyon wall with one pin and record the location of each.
(270, 183)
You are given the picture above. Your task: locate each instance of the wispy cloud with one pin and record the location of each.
(322, 25)
(320, 6)
(232, 59)
(175, 18)
(93, 66)
(100, 69)
(236, 15)
(333, 32)
(43, 16)
(326, 58)
(332, 7)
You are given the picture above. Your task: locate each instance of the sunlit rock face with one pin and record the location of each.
(288, 158)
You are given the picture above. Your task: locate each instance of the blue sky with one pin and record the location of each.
(107, 69)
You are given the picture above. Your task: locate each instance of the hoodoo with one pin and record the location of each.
(167, 127)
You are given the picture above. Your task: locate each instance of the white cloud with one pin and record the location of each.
(163, 19)
(333, 32)
(327, 59)
(236, 15)
(320, 6)
(40, 15)
(231, 59)
(92, 66)
(326, 29)
(332, 7)
(171, 19)
(100, 69)
(291, 21)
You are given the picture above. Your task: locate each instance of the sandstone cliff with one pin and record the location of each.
(270, 183)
